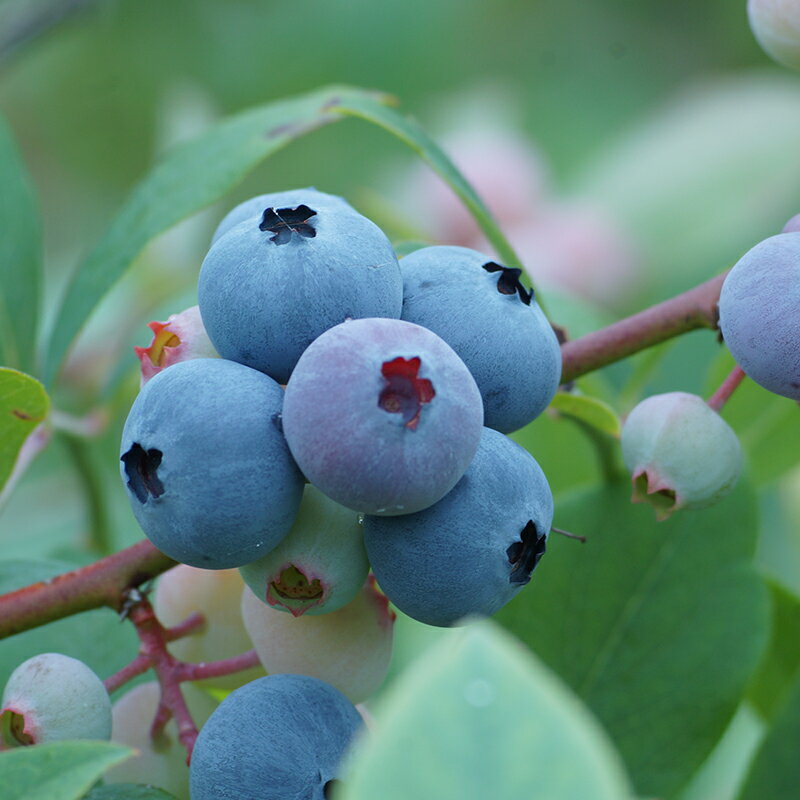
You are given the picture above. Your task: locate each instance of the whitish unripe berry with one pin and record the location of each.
(680, 453)
(776, 25)
(216, 594)
(349, 648)
(51, 697)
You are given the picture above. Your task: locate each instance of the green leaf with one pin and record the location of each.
(409, 131)
(656, 626)
(57, 770)
(191, 177)
(588, 409)
(20, 257)
(96, 637)
(23, 405)
(775, 772)
(128, 791)
(781, 665)
(479, 717)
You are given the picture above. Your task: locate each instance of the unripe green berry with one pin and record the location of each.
(680, 453)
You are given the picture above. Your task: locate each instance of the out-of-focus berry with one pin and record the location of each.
(793, 225)
(216, 594)
(776, 26)
(180, 338)
(161, 761)
(680, 453)
(349, 648)
(319, 567)
(51, 697)
(759, 314)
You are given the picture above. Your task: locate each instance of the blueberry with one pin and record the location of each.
(471, 552)
(680, 453)
(382, 416)
(320, 565)
(759, 314)
(776, 26)
(275, 738)
(483, 311)
(51, 697)
(255, 206)
(208, 472)
(350, 648)
(273, 283)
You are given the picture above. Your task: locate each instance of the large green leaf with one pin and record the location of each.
(96, 637)
(20, 258)
(409, 131)
(775, 772)
(656, 626)
(478, 717)
(191, 177)
(57, 770)
(23, 405)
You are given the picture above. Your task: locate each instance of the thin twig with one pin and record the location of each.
(726, 389)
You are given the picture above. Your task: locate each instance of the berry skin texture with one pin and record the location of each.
(776, 26)
(320, 565)
(255, 206)
(382, 416)
(180, 338)
(476, 548)
(52, 697)
(484, 313)
(273, 283)
(275, 738)
(208, 473)
(350, 648)
(216, 594)
(160, 761)
(759, 314)
(680, 453)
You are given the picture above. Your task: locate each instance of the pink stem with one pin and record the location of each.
(213, 669)
(139, 665)
(726, 389)
(193, 623)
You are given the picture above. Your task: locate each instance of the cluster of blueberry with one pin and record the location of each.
(355, 420)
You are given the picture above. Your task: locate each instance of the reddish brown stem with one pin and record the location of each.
(139, 665)
(213, 669)
(726, 389)
(192, 624)
(102, 583)
(686, 312)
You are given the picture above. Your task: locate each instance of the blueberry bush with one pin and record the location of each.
(441, 499)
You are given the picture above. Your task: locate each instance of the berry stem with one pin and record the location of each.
(726, 389)
(569, 535)
(139, 665)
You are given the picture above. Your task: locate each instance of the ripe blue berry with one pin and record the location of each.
(275, 738)
(482, 310)
(273, 283)
(471, 552)
(51, 697)
(255, 206)
(759, 314)
(320, 565)
(382, 416)
(208, 473)
(680, 453)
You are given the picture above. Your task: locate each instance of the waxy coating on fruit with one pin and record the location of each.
(53, 697)
(485, 313)
(471, 552)
(350, 648)
(759, 314)
(776, 26)
(180, 338)
(161, 761)
(209, 475)
(274, 283)
(256, 206)
(275, 738)
(680, 453)
(216, 594)
(382, 416)
(319, 566)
